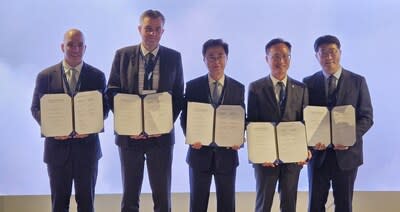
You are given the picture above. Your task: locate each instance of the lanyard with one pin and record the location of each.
(146, 63)
(221, 97)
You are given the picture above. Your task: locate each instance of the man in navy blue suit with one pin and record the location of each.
(277, 98)
(131, 74)
(336, 164)
(71, 159)
(207, 161)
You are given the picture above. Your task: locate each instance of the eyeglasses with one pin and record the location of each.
(214, 59)
(328, 52)
(280, 57)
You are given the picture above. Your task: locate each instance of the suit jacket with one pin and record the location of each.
(351, 90)
(263, 106)
(50, 81)
(197, 90)
(124, 78)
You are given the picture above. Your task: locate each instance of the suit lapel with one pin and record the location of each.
(57, 82)
(84, 79)
(133, 71)
(269, 94)
(205, 93)
(320, 89)
(342, 84)
(291, 94)
(163, 70)
(225, 94)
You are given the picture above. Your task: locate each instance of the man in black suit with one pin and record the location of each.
(130, 74)
(71, 159)
(207, 161)
(336, 164)
(277, 98)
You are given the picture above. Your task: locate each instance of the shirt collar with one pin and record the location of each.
(275, 81)
(336, 74)
(220, 81)
(145, 51)
(67, 67)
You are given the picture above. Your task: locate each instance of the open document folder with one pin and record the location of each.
(337, 126)
(62, 115)
(285, 142)
(150, 114)
(223, 125)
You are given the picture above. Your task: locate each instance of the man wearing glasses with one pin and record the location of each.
(336, 164)
(277, 98)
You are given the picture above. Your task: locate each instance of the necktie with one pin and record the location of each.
(215, 98)
(215, 93)
(148, 74)
(331, 91)
(282, 97)
(72, 80)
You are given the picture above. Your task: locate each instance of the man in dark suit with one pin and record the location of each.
(130, 74)
(337, 164)
(276, 98)
(207, 161)
(71, 159)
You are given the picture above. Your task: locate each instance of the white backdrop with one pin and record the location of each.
(32, 31)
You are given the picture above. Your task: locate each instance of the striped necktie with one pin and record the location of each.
(282, 97)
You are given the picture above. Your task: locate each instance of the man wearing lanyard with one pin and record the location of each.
(74, 158)
(207, 161)
(143, 69)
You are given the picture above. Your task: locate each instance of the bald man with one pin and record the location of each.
(74, 158)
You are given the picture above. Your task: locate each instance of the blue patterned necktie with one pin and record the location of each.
(148, 74)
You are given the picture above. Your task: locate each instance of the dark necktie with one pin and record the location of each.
(282, 97)
(72, 80)
(215, 94)
(331, 91)
(215, 98)
(148, 74)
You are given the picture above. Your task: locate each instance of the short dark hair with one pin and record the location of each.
(277, 41)
(153, 14)
(213, 43)
(326, 39)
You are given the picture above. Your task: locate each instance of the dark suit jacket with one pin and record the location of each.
(124, 78)
(197, 90)
(351, 90)
(50, 81)
(262, 104)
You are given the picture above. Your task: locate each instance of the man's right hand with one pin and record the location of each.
(268, 164)
(319, 146)
(196, 145)
(62, 138)
(138, 137)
